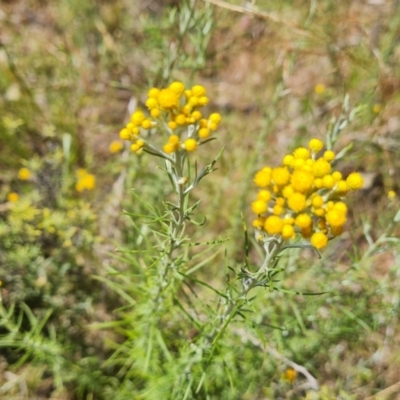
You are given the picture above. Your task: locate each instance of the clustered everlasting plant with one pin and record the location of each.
(299, 204)
(304, 196)
(174, 111)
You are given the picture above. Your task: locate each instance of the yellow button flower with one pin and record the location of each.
(190, 144)
(301, 153)
(280, 176)
(137, 118)
(273, 224)
(263, 178)
(86, 181)
(115, 146)
(12, 197)
(329, 155)
(302, 180)
(259, 207)
(355, 181)
(319, 240)
(177, 87)
(264, 195)
(287, 231)
(336, 217)
(315, 145)
(168, 99)
(303, 221)
(297, 202)
(24, 174)
(321, 168)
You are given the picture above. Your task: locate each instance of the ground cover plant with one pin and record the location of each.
(198, 199)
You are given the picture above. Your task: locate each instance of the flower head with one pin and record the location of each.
(85, 181)
(12, 197)
(24, 174)
(115, 146)
(303, 197)
(174, 111)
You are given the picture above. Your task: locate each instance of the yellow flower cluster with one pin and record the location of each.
(85, 181)
(171, 109)
(303, 196)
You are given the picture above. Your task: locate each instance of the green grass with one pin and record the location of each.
(79, 276)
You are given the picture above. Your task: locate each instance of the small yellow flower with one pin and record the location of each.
(174, 139)
(319, 88)
(204, 133)
(216, 118)
(342, 187)
(203, 100)
(355, 181)
(212, 126)
(146, 124)
(288, 160)
(172, 125)
(377, 108)
(303, 221)
(168, 99)
(180, 119)
(86, 181)
(302, 180)
(194, 101)
(337, 176)
(259, 207)
(329, 155)
(321, 167)
(196, 115)
(259, 223)
(169, 148)
(264, 195)
(391, 194)
(290, 374)
(287, 231)
(301, 153)
(297, 202)
(137, 147)
(137, 118)
(317, 201)
(153, 93)
(155, 112)
(273, 224)
(336, 217)
(315, 145)
(287, 191)
(24, 174)
(277, 210)
(151, 103)
(115, 146)
(177, 87)
(280, 176)
(190, 144)
(340, 206)
(124, 134)
(319, 240)
(328, 182)
(12, 197)
(198, 91)
(263, 178)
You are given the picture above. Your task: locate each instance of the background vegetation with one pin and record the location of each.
(70, 73)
